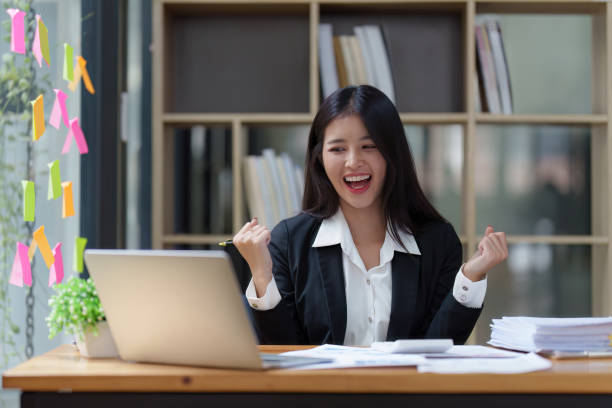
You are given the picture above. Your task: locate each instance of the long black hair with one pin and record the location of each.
(404, 203)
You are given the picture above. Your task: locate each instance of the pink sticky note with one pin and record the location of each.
(68, 141)
(79, 137)
(17, 30)
(36, 50)
(22, 272)
(56, 272)
(59, 109)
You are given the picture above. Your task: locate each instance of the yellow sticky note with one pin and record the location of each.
(55, 188)
(77, 77)
(44, 41)
(79, 247)
(43, 245)
(29, 200)
(68, 59)
(86, 78)
(38, 117)
(32, 250)
(68, 204)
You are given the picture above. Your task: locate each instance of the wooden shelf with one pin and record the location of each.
(194, 239)
(433, 118)
(228, 118)
(556, 239)
(207, 72)
(519, 119)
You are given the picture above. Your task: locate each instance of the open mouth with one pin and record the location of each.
(358, 184)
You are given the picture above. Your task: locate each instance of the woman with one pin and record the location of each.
(369, 258)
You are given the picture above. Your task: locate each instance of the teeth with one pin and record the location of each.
(357, 178)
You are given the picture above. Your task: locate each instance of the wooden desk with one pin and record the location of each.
(63, 378)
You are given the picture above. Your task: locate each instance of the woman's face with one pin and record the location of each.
(353, 163)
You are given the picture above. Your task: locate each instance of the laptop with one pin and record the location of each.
(178, 307)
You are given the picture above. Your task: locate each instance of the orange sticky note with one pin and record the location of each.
(43, 245)
(86, 79)
(32, 250)
(38, 118)
(68, 204)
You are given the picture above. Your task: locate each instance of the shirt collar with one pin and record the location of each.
(335, 230)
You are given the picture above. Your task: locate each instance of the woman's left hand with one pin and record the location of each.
(492, 250)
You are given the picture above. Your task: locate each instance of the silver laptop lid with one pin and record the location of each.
(176, 307)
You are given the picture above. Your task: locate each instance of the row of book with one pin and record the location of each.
(356, 59)
(274, 186)
(495, 92)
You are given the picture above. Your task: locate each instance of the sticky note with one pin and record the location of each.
(55, 181)
(44, 40)
(76, 132)
(38, 117)
(43, 246)
(77, 77)
(59, 110)
(21, 272)
(17, 30)
(68, 205)
(36, 44)
(79, 247)
(68, 60)
(86, 79)
(56, 273)
(29, 200)
(32, 250)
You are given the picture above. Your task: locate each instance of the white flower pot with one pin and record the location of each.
(100, 346)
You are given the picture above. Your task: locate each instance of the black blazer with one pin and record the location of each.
(311, 283)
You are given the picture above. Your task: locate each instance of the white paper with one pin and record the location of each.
(474, 352)
(524, 364)
(345, 357)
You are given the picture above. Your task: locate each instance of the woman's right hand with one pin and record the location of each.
(252, 242)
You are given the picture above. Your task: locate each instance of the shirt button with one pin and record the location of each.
(368, 281)
(464, 288)
(254, 305)
(370, 319)
(463, 298)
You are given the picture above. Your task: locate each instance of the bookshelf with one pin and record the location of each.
(244, 64)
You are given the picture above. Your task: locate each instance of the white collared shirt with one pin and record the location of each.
(368, 292)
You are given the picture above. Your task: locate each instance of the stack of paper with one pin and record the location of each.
(560, 334)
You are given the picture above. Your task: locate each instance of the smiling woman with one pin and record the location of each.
(369, 258)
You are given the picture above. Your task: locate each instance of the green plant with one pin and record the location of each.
(75, 308)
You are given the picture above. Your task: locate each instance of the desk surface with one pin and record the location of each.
(64, 369)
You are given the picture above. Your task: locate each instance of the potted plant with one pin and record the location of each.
(76, 310)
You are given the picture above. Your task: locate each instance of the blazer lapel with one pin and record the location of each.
(405, 287)
(330, 260)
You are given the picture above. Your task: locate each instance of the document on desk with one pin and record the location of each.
(474, 352)
(346, 357)
(524, 364)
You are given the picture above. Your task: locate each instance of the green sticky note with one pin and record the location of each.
(28, 200)
(79, 248)
(43, 34)
(55, 181)
(68, 63)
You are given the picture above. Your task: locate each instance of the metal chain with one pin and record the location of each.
(29, 332)
(29, 349)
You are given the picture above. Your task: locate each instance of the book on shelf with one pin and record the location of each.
(327, 60)
(361, 58)
(273, 187)
(203, 180)
(492, 67)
